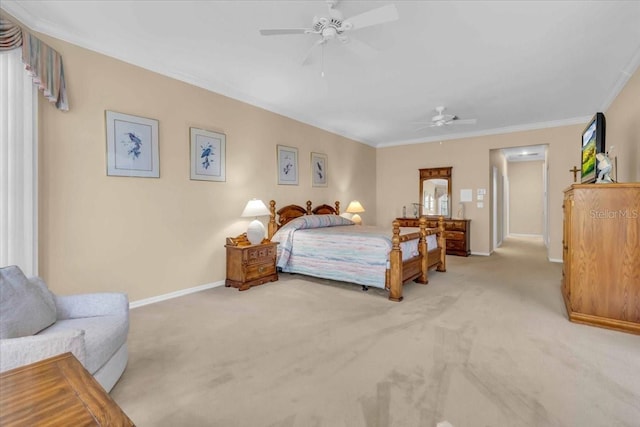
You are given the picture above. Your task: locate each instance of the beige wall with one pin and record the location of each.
(151, 236)
(525, 197)
(623, 130)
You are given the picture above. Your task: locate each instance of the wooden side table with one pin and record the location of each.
(56, 392)
(250, 265)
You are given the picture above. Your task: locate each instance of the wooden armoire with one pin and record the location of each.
(601, 255)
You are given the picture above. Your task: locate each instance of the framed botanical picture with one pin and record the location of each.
(287, 165)
(318, 170)
(132, 146)
(208, 151)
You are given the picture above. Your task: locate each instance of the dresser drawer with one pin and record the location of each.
(261, 254)
(456, 245)
(454, 225)
(408, 222)
(260, 270)
(454, 235)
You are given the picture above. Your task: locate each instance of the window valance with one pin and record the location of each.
(41, 61)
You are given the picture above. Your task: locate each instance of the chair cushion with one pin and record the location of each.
(26, 305)
(103, 336)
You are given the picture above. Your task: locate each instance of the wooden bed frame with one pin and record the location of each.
(399, 272)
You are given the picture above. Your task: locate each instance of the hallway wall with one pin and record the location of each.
(525, 197)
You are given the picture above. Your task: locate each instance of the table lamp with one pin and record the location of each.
(255, 208)
(355, 208)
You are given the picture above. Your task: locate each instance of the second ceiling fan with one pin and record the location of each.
(442, 119)
(335, 26)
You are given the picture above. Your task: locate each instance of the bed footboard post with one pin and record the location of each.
(272, 227)
(424, 252)
(442, 243)
(395, 267)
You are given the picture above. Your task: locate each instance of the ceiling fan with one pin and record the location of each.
(441, 119)
(335, 26)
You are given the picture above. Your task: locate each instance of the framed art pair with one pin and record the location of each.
(132, 149)
(288, 167)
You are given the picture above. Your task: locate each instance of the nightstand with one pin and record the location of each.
(250, 265)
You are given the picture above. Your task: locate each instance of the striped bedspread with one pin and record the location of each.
(340, 251)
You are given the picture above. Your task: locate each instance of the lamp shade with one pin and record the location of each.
(255, 208)
(355, 207)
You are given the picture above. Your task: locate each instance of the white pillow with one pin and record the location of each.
(26, 305)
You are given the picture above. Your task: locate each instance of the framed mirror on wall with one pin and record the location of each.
(435, 192)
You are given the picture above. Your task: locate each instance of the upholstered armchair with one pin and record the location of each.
(36, 324)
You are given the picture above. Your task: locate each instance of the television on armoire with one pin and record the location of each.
(592, 143)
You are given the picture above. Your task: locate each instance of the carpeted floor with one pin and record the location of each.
(485, 344)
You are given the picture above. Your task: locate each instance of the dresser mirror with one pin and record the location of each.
(435, 192)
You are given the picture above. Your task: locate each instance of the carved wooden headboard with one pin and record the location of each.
(289, 212)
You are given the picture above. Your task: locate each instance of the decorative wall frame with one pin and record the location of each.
(287, 165)
(319, 169)
(132, 146)
(208, 153)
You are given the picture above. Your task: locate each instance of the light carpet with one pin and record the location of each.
(487, 343)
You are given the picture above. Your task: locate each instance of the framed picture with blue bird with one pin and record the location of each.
(208, 151)
(132, 146)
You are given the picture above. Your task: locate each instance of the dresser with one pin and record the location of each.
(601, 255)
(250, 265)
(456, 231)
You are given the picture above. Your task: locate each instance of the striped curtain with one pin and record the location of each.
(45, 66)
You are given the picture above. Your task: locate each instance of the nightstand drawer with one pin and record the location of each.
(259, 270)
(261, 254)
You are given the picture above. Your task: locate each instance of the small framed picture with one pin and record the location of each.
(132, 146)
(208, 151)
(318, 170)
(287, 165)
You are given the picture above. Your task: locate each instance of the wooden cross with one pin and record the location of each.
(575, 171)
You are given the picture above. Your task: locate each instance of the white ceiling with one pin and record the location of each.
(512, 65)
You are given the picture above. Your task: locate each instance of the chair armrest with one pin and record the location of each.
(91, 305)
(16, 352)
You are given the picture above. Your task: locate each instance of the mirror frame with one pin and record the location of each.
(436, 173)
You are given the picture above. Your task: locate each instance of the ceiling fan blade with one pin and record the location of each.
(361, 48)
(374, 17)
(283, 31)
(465, 121)
(306, 57)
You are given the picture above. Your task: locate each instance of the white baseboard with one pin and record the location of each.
(481, 253)
(176, 294)
(555, 260)
(525, 235)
